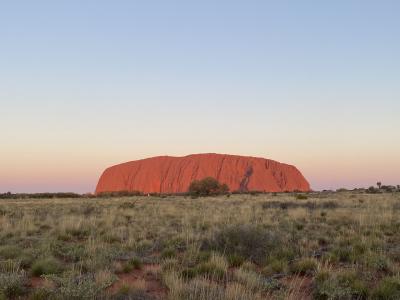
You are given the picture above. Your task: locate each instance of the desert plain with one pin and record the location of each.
(316, 245)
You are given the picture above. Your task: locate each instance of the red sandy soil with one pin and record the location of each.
(300, 286)
(147, 273)
(167, 174)
(36, 282)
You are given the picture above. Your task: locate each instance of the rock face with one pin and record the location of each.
(167, 174)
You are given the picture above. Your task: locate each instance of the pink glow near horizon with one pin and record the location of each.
(82, 176)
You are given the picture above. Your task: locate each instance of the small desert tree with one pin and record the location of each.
(208, 186)
(379, 184)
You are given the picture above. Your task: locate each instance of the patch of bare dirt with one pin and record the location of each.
(149, 274)
(298, 287)
(36, 282)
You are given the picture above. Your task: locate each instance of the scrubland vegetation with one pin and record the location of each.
(343, 245)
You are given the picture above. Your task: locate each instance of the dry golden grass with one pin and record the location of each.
(239, 247)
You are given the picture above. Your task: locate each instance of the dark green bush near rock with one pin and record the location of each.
(207, 187)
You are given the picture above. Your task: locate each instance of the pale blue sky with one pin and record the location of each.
(87, 84)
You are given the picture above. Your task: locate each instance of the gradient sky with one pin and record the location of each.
(88, 84)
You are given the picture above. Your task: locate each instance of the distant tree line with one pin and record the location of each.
(208, 186)
(383, 188)
(10, 195)
(378, 189)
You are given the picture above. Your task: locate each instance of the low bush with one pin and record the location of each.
(305, 266)
(250, 241)
(301, 197)
(275, 266)
(119, 194)
(12, 285)
(235, 260)
(78, 287)
(377, 262)
(215, 268)
(46, 266)
(342, 254)
(136, 263)
(201, 289)
(344, 285)
(207, 187)
(387, 289)
(168, 253)
(307, 205)
(68, 251)
(9, 252)
(129, 293)
(41, 293)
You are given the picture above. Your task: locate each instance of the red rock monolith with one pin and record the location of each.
(167, 174)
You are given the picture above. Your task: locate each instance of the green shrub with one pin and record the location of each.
(126, 268)
(119, 194)
(69, 252)
(203, 256)
(377, 262)
(201, 289)
(342, 254)
(12, 284)
(9, 252)
(168, 253)
(210, 270)
(253, 281)
(26, 259)
(235, 260)
(329, 205)
(136, 263)
(126, 293)
(215, 268)
(250, 241)
(301, 197)
(339, 286)
(275, 266)
(189, 273)
(41, 294)
(387, 289)
(112, 238)
(304, 266)
(78, 287)
(286, 254)
(46, 266)
(207, 187)
(79, 233)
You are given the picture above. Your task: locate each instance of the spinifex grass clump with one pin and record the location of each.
(13, 280)
(46, 266)
(251, 242)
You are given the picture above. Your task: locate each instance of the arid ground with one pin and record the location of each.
(343, 245)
